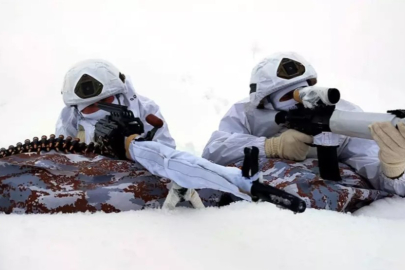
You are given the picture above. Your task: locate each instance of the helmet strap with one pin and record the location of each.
(261, 104)
(117, 96)
(122, 77)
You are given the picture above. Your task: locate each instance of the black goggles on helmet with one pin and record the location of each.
(88, 87)
(289, 69)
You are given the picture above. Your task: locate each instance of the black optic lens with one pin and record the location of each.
(88, 87)
(290, 68)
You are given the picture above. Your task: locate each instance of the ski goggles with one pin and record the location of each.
(88, 87)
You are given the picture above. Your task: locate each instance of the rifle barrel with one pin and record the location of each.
(109, 107)
(355, 124)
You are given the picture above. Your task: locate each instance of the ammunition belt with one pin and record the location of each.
(59, 144)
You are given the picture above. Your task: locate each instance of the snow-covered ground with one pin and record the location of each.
(194, 59)
(241, 236)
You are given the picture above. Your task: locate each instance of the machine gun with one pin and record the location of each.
(316, 115)
(110, 132)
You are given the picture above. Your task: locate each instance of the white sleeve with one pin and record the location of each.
(226, 145)
(67, 122)
(188, 170)
(362, 155)
(396, 186)
(147, 106)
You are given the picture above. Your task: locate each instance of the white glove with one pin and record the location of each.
(392, 147)
(290, 145)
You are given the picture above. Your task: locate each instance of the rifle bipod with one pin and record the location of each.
(263, 192)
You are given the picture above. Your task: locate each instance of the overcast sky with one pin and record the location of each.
(193, 58)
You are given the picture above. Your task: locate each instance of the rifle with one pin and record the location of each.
(111, 131)
(316, 115)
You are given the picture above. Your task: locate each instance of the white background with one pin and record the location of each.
(193, 58)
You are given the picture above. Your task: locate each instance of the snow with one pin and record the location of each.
(241, 236)
(391, 208)
(201, 53)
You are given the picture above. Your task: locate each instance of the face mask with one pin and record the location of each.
(98, 114)
(274, 98)
(278, 105)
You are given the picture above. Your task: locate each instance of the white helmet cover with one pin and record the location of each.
(101, 70)
(270, 75)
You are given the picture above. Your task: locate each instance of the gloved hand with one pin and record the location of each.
(290, 145)
(392, 147)
(128, 141)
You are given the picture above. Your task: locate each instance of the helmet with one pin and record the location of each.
(90, 81)
(277, 75)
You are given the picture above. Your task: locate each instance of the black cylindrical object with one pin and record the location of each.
(328, 163)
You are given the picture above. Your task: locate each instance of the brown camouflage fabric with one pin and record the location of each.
(69, 183)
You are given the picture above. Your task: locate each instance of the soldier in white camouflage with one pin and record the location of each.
(251, 122)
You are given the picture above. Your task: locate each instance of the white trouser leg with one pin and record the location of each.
(188, 170)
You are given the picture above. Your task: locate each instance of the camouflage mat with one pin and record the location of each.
(68, 183)
(302, 179)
